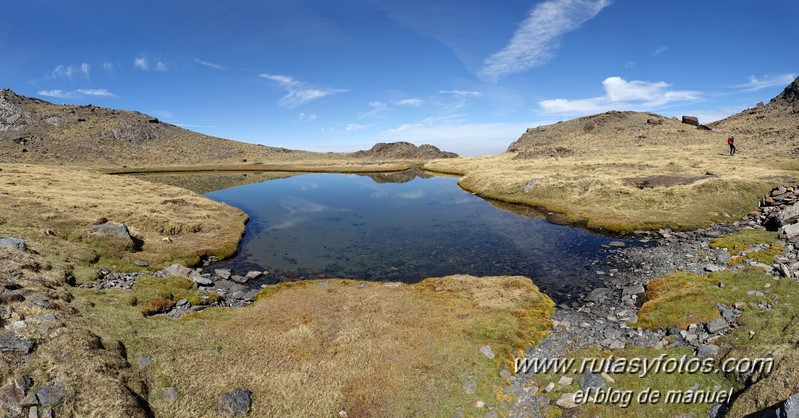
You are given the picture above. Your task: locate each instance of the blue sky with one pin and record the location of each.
(466, 75)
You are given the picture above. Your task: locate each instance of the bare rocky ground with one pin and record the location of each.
(601, 318)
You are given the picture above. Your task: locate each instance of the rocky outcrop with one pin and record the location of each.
(781, 211)
(12, 118)
(690, 120)
(789, 96)
(403, 151)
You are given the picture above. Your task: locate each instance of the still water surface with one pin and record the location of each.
(354, 226)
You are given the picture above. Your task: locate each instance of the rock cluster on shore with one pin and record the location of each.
(605, 316)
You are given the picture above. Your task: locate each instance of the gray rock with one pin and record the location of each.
(238, 279)
(48, 413)
(718, 410)
(252, 275)
(712, 267)
(145, 361)
(790, 231)
(592, 380)
(51, 393)
(717, 325)
(183, 271)
(235, 403)
(617, 244)
(112, 229)
(17, 243)
(486, 350)
(789, 408)
(11, 343)
(141, 263)
(789, 215)
(182, 302)
(11, 399)
(724, 257)
(707, 351)
(33, 412)
(223, 273)
(170, 394)
(690, 120)
(632, 290)
(470, 387)
(597, 294)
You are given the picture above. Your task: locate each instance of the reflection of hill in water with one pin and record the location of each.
(209, 181)
(399, 176)
(516, 209)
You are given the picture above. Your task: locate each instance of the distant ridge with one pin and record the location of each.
(403, 150)
(36, 131)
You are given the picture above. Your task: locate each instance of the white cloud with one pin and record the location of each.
(353, 127)
(67, 71)
(461, 94)
(85, 69)
(298, 92)
(96, 92)
(62, 94)
(620, 95)
(108, 66)
(629, 64)
(538, 36)
(141, 63)
(306, 117)
(412, 102)
(59, 94)
(660, 50)
(376, 108)
(767, 81)
(161, 67)
(210, 64)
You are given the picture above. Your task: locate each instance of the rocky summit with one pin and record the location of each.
(403, 150)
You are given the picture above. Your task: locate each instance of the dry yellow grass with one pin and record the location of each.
(68, 201)
(590, 184)
(315, 348)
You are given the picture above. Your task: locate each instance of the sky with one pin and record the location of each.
(468, 76)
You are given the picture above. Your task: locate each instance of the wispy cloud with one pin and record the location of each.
(767, 81)
(211, 65)
(375, 108)
(306, 117)
(538, 36)
(80, 93)
(59, 94)
(412, 102)
(108, 66)
(461, 94)
(96, 92)
(660, 50)
(354, 127)
(620, 94)
(141, 63)
(67, 71)
(298, 92)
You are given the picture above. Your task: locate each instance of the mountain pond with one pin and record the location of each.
(404, 227)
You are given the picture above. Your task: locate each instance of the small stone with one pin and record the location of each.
(222, 273)
(506, 374)
(33, 412)
(235, 403)
(597, 294)
(607, 377)
(755, 293)
(549, 387)
(17, 243)
(486, 350)
(48, 413)
(479, 404)
(145, 361)
(707, 351)
(566, 401)
(51, 393)
(617, 244)
(342, 413)
(739, 305)
(592, 380)
(252, 275)
(565, 381)
(170, 394)
(470, 387)
(182, 302)
(632, 290)
(717, 325)
(141, 263)
(10, 342)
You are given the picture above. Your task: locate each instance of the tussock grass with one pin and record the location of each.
(68, 201)
(744, 240)
(310, 349)
(591, 183)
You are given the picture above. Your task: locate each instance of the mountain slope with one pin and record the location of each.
(36, 131)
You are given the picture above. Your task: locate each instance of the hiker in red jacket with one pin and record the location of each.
(731, 143)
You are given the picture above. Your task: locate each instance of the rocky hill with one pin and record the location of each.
(766, 128)
(775, 125)
(584, 136)
(36, 131)
(403, 151)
